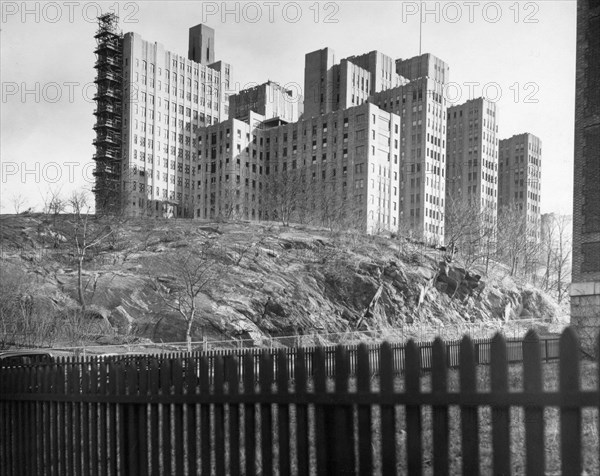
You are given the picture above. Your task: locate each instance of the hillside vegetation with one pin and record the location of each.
(264, 280)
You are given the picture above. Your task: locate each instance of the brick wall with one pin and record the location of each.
(585, 293)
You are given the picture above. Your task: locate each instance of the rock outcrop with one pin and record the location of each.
(277, 281)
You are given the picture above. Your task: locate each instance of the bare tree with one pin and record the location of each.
(556, 251)
(18, 201)
(332, 211)
(469, 231)
(189, 274)
(513, 241)
(285, 195)
(231, 203)
(83, 232)
(54, 202)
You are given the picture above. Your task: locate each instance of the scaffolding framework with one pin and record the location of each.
(108, 112)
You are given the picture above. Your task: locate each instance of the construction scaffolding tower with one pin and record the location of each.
(108, 112)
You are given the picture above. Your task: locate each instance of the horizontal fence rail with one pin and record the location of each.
(300, 411)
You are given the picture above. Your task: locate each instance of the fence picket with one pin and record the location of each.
(85, 422)
(363, 384)
(46, 407)
(233, 379)
(112, 463)
(104, 414)
(266, 413)
(320, 390)
(249, 415)
(534, 416)
(570, 412)
(219, 416)
(62, 410)
(302, 449)
(122, 417)
(77, 413)
(205, 429)
(178, 439)
(130, 457)
(414, 450)
(165, 389)
(191, 382)
(154, 430)
(468, 415)
(500, 414)
(283, 412)
(343, 457)
(388, 413)
(441, 427)
(23, 450)
(141, 411)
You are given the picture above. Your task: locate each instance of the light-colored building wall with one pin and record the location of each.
(411, 88)
(472, 157)
(422, 108)
(319, 94)
(268, 99)
(381, 68)
(167, 97)
(330, 86)
(423, 66)
(339, 167)
(519, 178)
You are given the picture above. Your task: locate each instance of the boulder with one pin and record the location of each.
(121, 320)
(273, 307)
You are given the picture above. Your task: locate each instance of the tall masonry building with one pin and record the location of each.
(334, 169)
(413, 90)
(366, 143)
(519, 180)
(472, 159)
(149, 106)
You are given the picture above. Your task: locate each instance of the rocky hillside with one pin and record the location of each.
(271, 281)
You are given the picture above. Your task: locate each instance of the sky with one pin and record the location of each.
(520, 54)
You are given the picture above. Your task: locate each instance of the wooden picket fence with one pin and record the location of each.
(216, 414)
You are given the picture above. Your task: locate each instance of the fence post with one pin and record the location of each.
(534, 416)
(301, 414)
(439, 372)
(500, 414)
(468, 414)
(320, 389)
(339, 426)
(388, 420)
(413, 412)
(363, 383)
(570, 416)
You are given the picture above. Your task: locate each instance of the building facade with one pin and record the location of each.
(337, 169)
(519, 180)
(329, 86)
(422, 107)
(585, 289)
(269, 100)
(163, 98)
(472, 166)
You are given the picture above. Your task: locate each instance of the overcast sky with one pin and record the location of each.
(521, 54)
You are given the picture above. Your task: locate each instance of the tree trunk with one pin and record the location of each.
(80, 283)
(188, 335)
